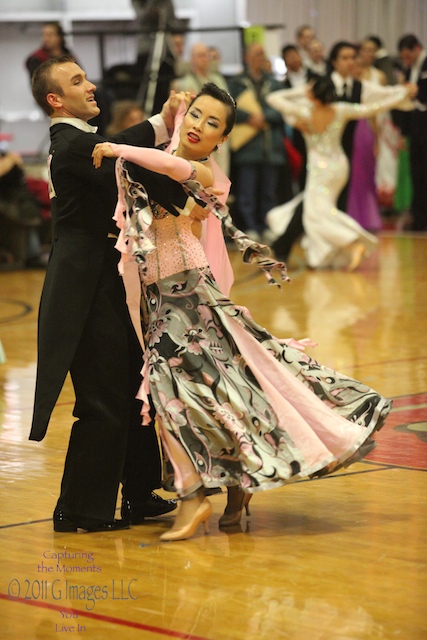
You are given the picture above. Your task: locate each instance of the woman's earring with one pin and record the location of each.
(218, 148)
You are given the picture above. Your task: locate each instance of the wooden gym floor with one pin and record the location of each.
(342, 558)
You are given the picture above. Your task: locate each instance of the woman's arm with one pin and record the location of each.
(291, 103)
(155, 160)
(398, 98)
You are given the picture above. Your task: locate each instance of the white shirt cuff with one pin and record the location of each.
(160, 131)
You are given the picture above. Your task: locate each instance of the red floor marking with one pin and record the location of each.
(397, 442)
(405, 401)
(104, 618)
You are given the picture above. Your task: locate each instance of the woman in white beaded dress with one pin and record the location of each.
(237, 407)
(332, 238)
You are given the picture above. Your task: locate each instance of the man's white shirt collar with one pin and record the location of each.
(416, 68)
(75, 122)
(339, 82)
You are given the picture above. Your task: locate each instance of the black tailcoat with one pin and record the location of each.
(84, 324)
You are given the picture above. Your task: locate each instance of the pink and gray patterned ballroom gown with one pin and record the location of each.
(248, 409)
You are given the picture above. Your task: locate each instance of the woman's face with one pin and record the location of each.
(367, 52)
(203, 127)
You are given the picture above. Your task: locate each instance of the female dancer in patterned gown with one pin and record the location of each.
(332, 238)
(237, 407)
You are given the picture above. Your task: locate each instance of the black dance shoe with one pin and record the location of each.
(66, 523)
(151, 508)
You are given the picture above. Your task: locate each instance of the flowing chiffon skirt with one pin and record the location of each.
(247, 408)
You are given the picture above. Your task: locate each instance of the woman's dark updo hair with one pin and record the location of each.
(323, 90)
(212, 90)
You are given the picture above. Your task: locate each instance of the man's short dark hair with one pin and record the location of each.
(338, 46)
(408, 42)
(42, 82)
(287, 48)
(376, 40)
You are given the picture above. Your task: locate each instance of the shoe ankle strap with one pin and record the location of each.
(191, 492)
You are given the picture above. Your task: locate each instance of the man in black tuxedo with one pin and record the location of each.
(84, 323)
(383, 61)
(296, 76)
(414, 126)
(342, 60)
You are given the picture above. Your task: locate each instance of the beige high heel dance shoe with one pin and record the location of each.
(237, 500)
(200, 516)
(358, 253)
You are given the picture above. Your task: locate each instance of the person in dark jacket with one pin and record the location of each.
(414, 125)
(52, 46)
(84, 322)
(259, 156)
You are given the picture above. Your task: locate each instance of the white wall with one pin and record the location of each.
(21, 20)
(20, 29)
(344, 19)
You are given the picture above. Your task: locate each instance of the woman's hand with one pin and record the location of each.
(172, 104)
(412, 90)
(199, 213)
(102, 150)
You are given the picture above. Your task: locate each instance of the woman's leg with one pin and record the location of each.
(194, 506)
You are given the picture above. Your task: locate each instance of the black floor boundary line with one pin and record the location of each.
(381, 466)
(27, 309)
(23, 524)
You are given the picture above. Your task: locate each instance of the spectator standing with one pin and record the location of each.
(257, 143)
(383, 60)
(21, 214)
(304, 35)
(199, 74)
(52, 46)
(124, 114)
(414, 126)
(317, 60)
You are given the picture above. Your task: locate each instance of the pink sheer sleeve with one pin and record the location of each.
(155, 160)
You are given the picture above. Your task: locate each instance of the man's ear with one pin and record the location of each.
(54, 100)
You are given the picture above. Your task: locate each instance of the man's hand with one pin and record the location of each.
(257, 120)
(102, 150)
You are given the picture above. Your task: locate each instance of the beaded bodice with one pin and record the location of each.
(177, 248)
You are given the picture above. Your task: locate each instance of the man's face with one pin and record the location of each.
(78, 100)
(51, 41)
(367, 52)
(293, 61)
(344, 62)
(316, 51)
(255, 58)
(409, 56)
(305, 37)
(200, 59)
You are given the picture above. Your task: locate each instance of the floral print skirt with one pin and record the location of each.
(248, 408)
